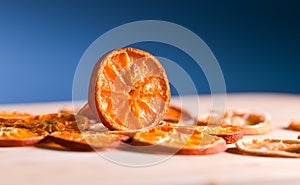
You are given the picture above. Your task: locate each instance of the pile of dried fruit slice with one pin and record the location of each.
(129, 93)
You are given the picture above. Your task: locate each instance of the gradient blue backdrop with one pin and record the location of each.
(257, 43)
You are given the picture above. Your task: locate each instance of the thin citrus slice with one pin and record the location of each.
(228, 133)
(294, 125)
(173, 140)
(85, 141)
(129, 90)
(252, 123)
(177, 114)
(57, 122)
(10, 117)
(270, 147)
(10, 136)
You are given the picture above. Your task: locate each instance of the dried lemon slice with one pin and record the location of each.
(270, 147)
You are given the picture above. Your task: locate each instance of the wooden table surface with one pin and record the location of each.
(32, 165)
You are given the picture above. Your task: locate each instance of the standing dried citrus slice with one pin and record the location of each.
(129, 90)
(270, 147)
(10, 117)
(10, 136)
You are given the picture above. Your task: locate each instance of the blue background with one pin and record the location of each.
(257, 43)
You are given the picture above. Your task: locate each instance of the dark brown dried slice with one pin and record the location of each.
(197, 143)
(176, 114)
(10, 136)
(270, 147)
(86, 141)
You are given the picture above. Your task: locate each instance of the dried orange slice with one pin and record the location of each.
(294, 125)
(173, 140)
(176, 114)
(57, 122)
(129, 90)
(85, 141)
(128, 133)
(10, 136)
(10, 117)
(228, 133)
(270, 147)
(252, 123)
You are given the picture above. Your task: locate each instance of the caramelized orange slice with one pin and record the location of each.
(270, 147)
(10, 136)
(129, 90)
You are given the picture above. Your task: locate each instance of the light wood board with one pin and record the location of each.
(31, 165)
